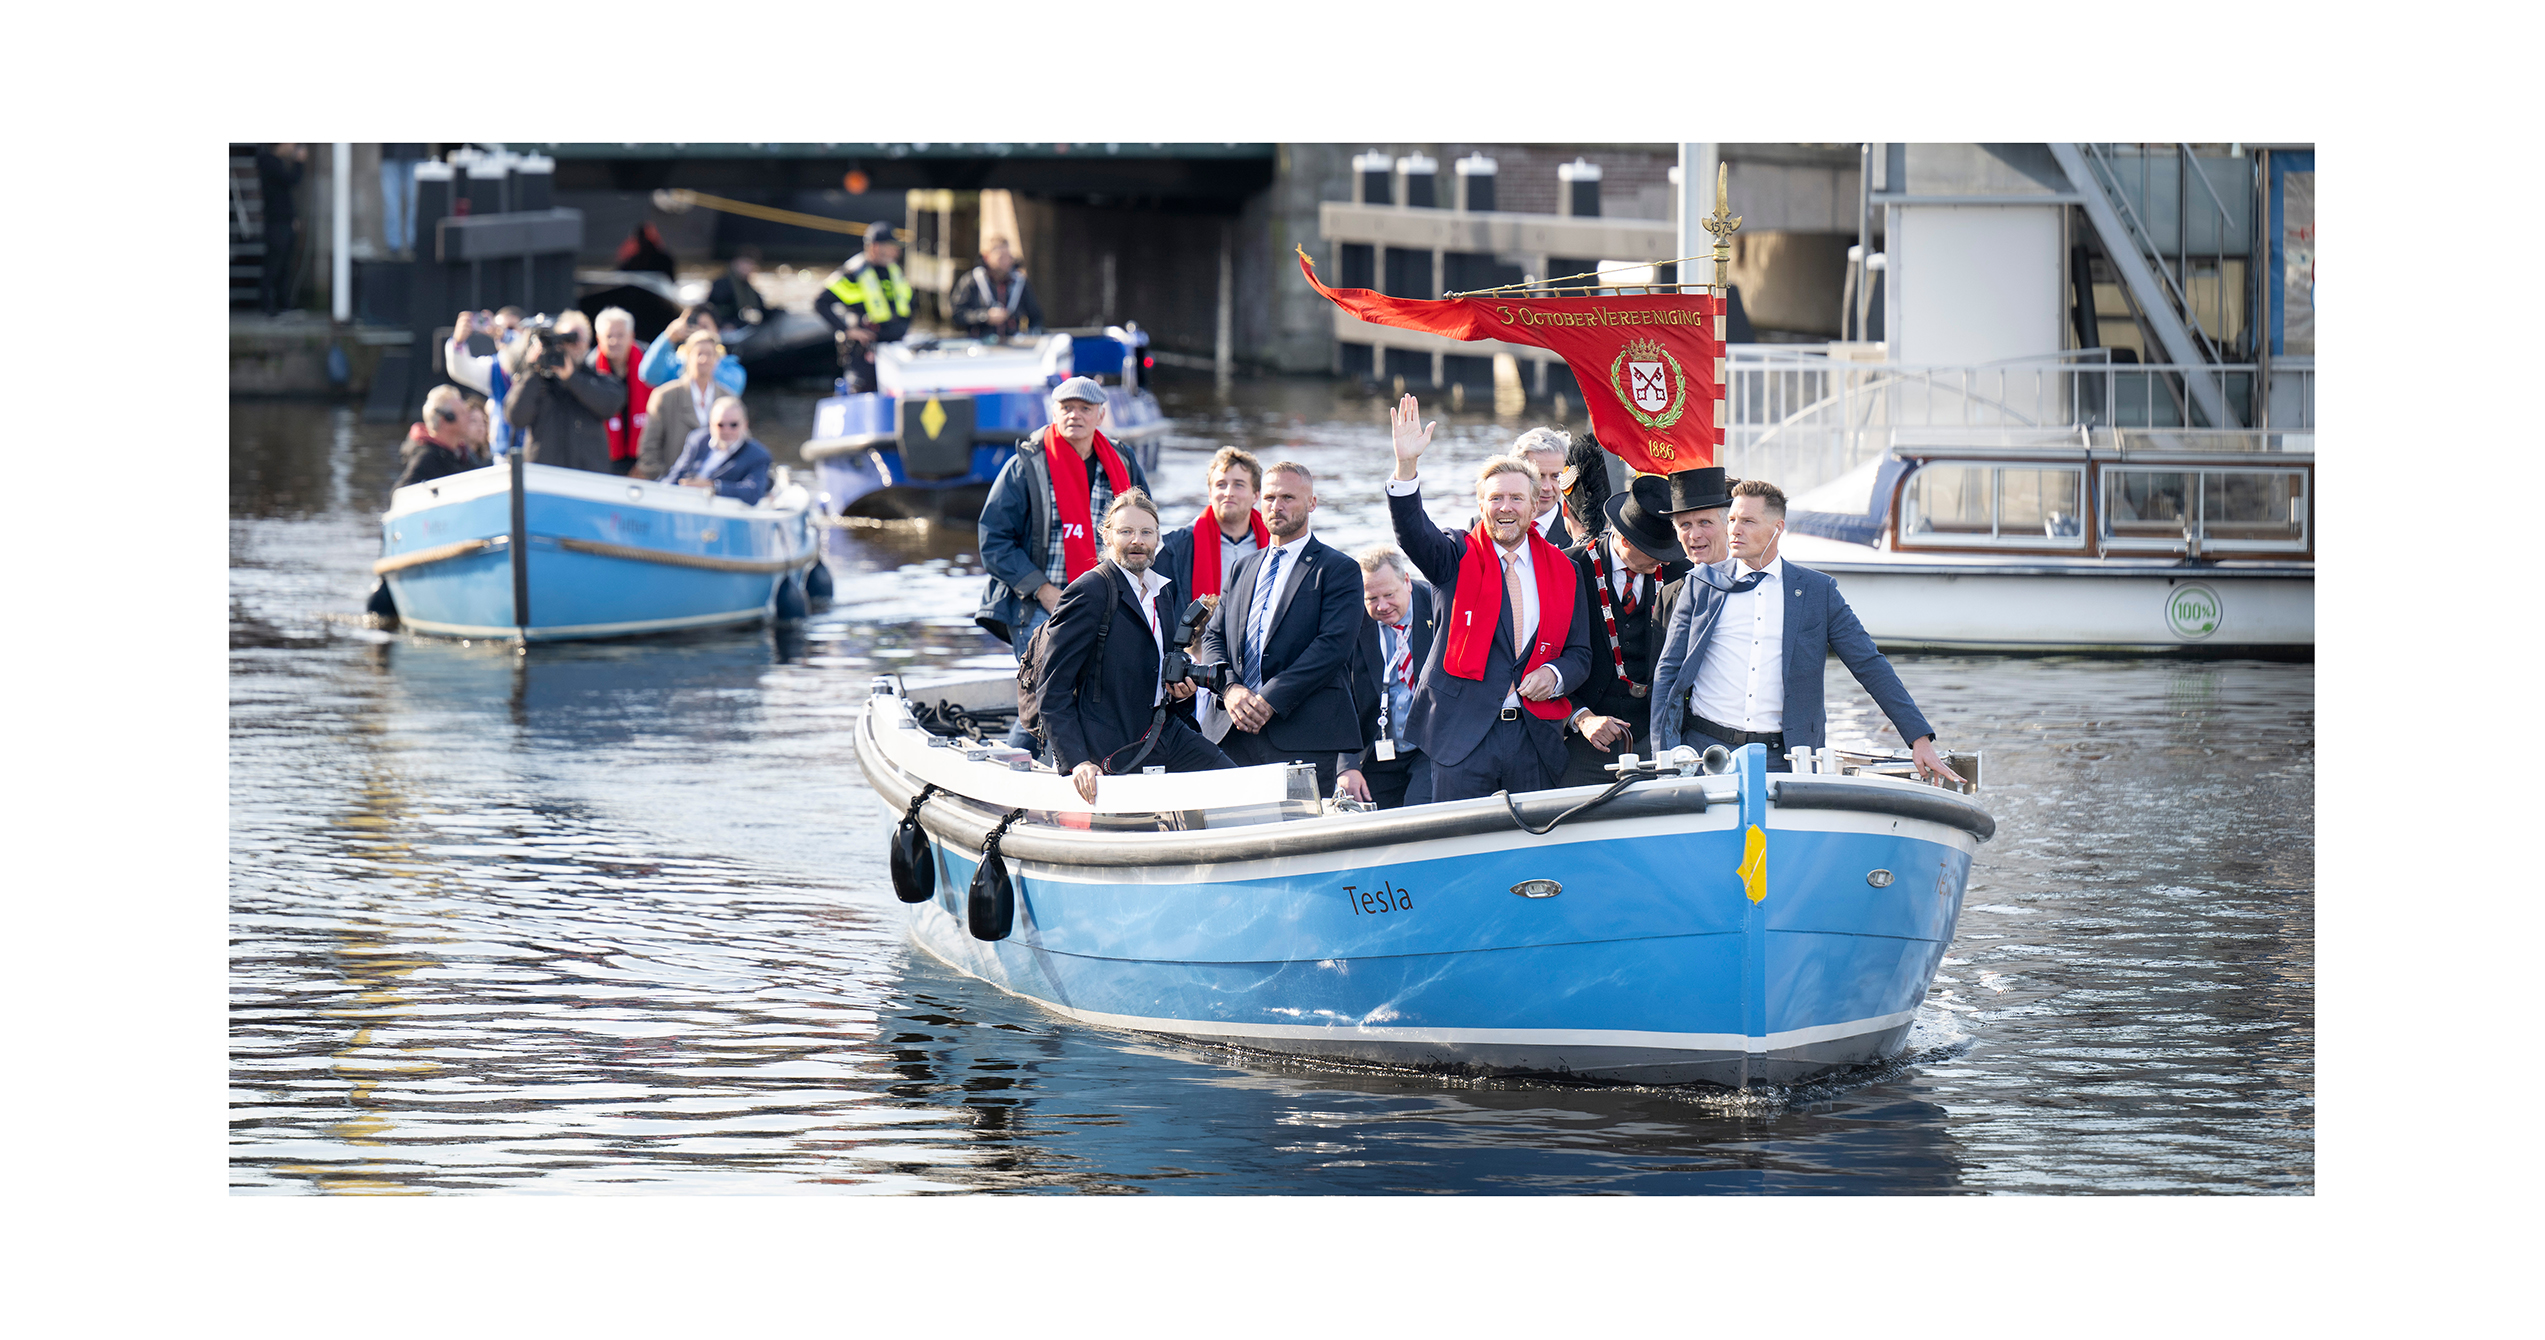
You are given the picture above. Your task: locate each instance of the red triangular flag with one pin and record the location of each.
(1649, 365)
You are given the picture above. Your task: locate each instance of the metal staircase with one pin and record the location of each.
(2160, 260)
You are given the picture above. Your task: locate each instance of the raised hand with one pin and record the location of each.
(1405, 427)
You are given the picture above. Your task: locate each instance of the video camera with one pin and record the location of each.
(1180, 664)
(548, 353)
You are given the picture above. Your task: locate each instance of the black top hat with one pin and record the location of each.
(1637, 515)
(1696, 490)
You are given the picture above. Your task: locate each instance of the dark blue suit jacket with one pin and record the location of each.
(745, 475)
(1817, 622)
(1307, 650)
(1117, 709)
(1450, 715)
(1369, 673)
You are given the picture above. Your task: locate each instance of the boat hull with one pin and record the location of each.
(1650, 963)
(607, 556)
(2214, 611)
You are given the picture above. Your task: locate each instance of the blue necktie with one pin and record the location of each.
(1261, 624)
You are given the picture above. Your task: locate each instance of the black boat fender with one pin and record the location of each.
(914, 859)
(991, 910)
(817, 581)
(381, 602)
(790, 599)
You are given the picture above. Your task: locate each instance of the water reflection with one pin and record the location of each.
(611, 917)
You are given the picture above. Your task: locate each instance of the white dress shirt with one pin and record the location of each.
(1519, 574)
(1550, 527)
(1289, 551)
(717, 455)
(1741, 679)
(1146, 586)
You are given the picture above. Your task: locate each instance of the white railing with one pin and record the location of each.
(1803, 418)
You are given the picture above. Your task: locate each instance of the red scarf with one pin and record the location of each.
(1480, 594)
(627, 430)
(1069, 492)
(1206, 538)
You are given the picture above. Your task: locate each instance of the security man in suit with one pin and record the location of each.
(1116, 720)
(1489, 708)
(1624, 564)
(1747, 642)
(1286, 626)
(1390, 770)
(867, 303)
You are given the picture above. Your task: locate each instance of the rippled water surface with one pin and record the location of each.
(613, 918)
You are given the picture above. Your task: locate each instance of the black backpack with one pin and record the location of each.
(1030, 662)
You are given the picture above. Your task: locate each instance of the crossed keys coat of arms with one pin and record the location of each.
(1654, 384)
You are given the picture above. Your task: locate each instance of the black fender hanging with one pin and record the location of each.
(991, 910)
(914, 861)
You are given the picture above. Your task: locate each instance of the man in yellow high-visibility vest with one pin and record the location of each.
(866, 302)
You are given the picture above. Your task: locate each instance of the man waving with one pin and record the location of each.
(1490, 707)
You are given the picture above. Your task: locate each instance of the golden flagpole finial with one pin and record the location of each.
(1721, 223)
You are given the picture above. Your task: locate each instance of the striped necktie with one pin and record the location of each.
(1260, 626)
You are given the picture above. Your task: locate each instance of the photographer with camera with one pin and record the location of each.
(560, 405)
(1109, 715)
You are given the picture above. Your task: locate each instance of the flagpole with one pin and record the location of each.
(1721, 223)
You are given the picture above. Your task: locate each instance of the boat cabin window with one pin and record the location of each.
(2031, 506)
(2157, 508)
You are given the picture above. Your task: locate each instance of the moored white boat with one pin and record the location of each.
(1736, 927)
(588, 555)
(2194, 542)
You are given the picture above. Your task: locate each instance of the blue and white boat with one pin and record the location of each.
(589, 555)
(929, 441)
(1704, 921)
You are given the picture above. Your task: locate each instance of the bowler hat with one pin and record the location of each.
(1696, 490)
(1637, 515)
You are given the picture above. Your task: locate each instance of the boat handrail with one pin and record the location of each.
(901, 740)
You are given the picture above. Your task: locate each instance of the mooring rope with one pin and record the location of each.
(418, 558)
(707, 561)
(751, 211)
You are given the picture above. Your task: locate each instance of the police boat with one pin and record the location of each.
(928, 442)
(1699, 920)
(541, 553)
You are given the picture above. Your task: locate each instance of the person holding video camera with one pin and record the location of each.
(560, 404)
(1109, 716)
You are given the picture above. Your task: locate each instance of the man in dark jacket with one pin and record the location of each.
(1032, 540)
(723, 457)
(1286, 628)
(1489, 704)
(1390, 771)
(994, 299)
(277, 180)
(562, 404)
(1624, 567)
(438, 445)
(735, 300)
(1100, 728)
